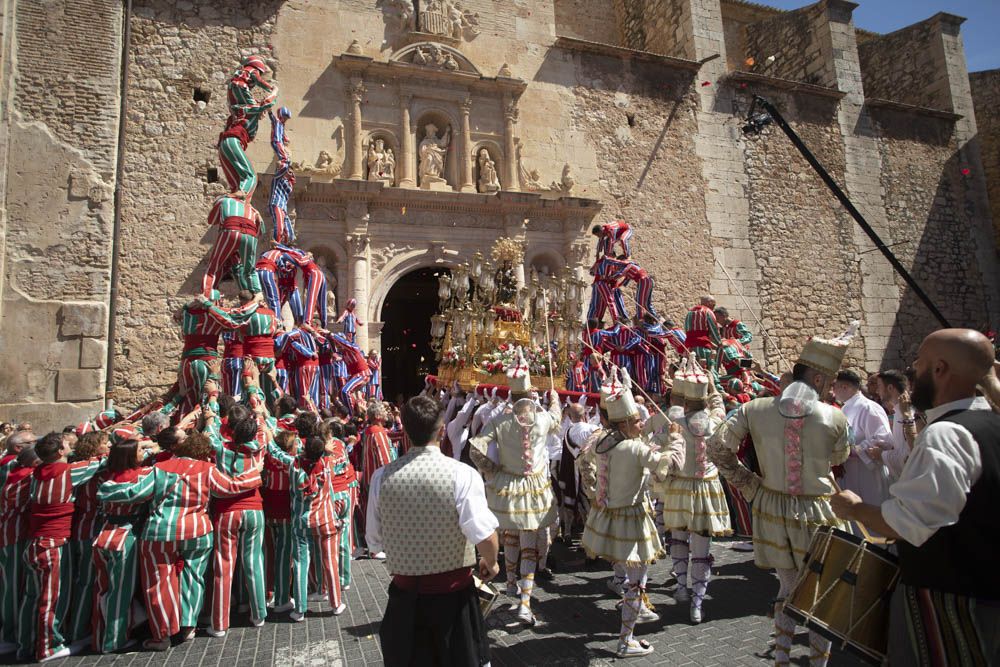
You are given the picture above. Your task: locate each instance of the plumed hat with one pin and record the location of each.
(826, 356)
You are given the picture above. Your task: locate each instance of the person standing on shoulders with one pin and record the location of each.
(426, 511)
(942, 512)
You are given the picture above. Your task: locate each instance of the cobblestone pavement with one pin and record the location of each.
(578, 625)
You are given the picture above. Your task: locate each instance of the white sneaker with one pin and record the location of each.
(256, 622)
(340, 610)
(316, 597)
(61, 653)
(212, 632)
(646, 615)
(345, 588)
(379, 556)
(525, 616)
(296, 616)
(695, 614)
(634, 648)
(682, 594)
(288, 606)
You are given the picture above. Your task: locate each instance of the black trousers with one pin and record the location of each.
(443, 630)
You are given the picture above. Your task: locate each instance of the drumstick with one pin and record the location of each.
(868, 537)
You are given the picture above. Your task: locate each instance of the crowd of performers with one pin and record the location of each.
(249, 480)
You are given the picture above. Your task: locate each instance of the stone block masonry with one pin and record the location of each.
(986, 96)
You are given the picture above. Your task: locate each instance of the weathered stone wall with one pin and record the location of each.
(986, 96)
(791, 40)
(651, 173)
(906, 66)
(177, 47)
(802, 237)
(592, 20)
(925, 194)
(59, 142)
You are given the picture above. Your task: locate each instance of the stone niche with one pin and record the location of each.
(428, 118)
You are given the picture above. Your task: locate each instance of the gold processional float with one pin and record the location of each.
(484, 316)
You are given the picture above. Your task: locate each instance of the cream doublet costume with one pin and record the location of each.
(693, 499)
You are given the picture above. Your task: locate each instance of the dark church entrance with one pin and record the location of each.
(407, 356)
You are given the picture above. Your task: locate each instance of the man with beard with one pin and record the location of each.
(797, 438)
(942, 511)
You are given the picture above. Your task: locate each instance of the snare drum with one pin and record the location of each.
(843, 592)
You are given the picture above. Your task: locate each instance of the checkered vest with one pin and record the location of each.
(419, 519)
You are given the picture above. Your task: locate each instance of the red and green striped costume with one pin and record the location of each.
(14, 528)
(179, 530)
(239, 226)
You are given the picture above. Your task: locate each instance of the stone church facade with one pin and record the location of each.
(558, 114)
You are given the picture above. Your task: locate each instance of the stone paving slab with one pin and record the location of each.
(578, 626)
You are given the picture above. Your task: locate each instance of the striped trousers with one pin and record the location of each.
(46, 597)
(326, 385)
(82, 554)
(232, 244)
(306, 384)
(239, 532)
(353, 383)
(116, 567)
(12, 580)
(327, 538)
(193, 374)
(344, 537)
(279, 535)
(275, 296)
(277, 205)
(173, 579)
(237, 167)
(232, 376)
(644, 296)
(604, 297)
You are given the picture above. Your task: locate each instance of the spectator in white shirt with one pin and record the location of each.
(869, 426)
(942, 511)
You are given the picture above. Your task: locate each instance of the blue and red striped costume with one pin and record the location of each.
(357, 368)
(651, 372)
(232, 363)
(702, 334)
(350, 321)
(628, 270)
(283, 181)
(604, 294)
(277, 269)
(302, 358)
(373, 390)
(617, 232)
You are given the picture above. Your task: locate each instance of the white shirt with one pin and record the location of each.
(458, 429)
(475, 519)
(944, 464)
(895, 458)
(869, 426)
(480, 416)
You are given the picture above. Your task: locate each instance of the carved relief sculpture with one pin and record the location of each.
(488, 181)
(381, 162)
(324, 167)
(399, 15)
(432, 152)
(530, 180)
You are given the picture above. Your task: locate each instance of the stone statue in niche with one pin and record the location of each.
(432, 152)
(381, 162)
(331, 283)
(488, 181)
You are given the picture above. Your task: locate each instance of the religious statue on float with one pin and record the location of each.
(432, 152)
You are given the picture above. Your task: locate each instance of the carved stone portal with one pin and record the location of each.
(442, 18)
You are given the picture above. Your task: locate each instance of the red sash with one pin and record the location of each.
(442, 582)
(234, 349)
(238, 131)
(242, 225)
(699, 338)
(259, 346)
(277, 502)
(207, 341)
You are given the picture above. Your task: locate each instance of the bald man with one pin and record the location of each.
(942, 511)
(567, 477)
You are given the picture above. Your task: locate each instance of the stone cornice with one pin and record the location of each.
(891, 105)
(418, 75)
(582, 45)
(785, 84)
(376, 195)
